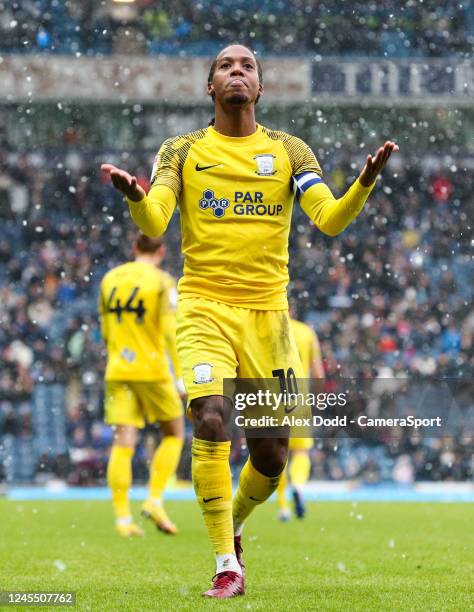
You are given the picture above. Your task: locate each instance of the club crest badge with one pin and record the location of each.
(265, 164)
(202, 373)
(128, 355)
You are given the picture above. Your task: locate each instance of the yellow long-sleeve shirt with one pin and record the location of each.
(235, 197)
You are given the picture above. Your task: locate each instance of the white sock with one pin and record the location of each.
(227, 563)
(127, 520)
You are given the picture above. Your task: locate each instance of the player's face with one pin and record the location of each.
(235, 78)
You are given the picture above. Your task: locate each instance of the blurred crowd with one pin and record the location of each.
(411, 459)
(390, 297)
(393, 293)
(412, 28)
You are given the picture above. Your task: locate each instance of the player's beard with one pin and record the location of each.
(237, 98)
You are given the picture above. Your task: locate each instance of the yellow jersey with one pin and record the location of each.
(307, 344)
(137, 310)
(235, 199)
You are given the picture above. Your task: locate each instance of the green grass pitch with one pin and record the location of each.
(366, 556)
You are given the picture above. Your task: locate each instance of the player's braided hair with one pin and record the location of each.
(211, 76)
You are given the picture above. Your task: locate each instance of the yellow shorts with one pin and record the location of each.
(133, 402)
(217, 341)
(301, 444)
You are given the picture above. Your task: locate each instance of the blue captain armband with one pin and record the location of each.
(302, 182)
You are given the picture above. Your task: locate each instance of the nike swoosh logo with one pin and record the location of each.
(208, 499)
(201, 168)
(255, 499)
(289, 410)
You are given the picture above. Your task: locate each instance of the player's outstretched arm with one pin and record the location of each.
(332, 215)
(150, 212)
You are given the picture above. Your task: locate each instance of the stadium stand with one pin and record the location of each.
(390, 296)
(383, 29)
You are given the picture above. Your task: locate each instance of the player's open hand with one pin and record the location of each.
(374, 165)
(124, 182)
